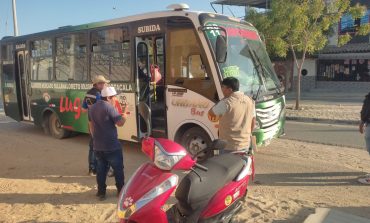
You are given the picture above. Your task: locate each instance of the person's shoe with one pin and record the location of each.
(92, 172)
(365, 180)
(110, 173)
(101, 196)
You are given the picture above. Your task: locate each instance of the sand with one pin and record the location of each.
(45, 180)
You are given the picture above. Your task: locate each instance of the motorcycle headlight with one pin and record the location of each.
(124, 213)
(155, 192)
(164, 160)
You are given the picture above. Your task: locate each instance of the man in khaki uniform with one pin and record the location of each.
(237, 116)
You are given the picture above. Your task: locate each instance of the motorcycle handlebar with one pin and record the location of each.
(201, 167)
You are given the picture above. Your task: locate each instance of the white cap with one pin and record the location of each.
(108, 92)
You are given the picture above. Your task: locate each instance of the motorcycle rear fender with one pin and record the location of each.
(225, 197)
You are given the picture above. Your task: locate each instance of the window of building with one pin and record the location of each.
(41, 60)
(7, 62)
(70, 61)
(348, 24)
(111, 55)
(344, 70)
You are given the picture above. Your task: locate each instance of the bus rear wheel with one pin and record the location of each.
(195, 140)
(55, 127)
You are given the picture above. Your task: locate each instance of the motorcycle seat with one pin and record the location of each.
(194, 192)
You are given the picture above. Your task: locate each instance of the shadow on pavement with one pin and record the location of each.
(310, 179)
(58, 199)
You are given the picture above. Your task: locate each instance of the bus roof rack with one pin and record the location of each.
(178, 7)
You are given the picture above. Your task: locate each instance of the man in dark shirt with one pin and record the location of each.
(103, 118)
(365, 128)
(91, 97)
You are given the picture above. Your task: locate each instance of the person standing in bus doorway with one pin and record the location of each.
(91, 97)
(365, 128)
(237, 116)
(103, 118)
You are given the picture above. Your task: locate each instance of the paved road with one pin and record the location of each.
(344, 98)
(343, 135)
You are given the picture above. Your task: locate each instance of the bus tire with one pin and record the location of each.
(55, 127)
(194, 140)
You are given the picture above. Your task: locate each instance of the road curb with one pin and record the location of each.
(321, 120)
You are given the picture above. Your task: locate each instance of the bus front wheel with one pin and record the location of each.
(195, 140)
(56, 129)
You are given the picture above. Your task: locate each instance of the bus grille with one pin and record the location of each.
(269, 116)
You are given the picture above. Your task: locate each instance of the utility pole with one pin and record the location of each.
(15, 23)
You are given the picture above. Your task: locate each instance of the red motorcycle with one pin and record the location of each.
(211, 192)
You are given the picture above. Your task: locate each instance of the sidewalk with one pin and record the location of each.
(326, 107)
(329, 97)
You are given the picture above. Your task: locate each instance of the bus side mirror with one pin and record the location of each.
(221, 49)
(145, 113)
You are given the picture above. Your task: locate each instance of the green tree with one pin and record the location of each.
(301, 27)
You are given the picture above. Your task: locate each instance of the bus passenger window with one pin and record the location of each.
(160, 53)
(70, 58)
(185, 66)
(7, 62)
(111, 55)
(196, 69)
(41, 60)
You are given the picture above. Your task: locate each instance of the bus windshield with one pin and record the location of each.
(247, 58)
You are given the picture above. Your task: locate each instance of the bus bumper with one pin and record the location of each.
(265, 135)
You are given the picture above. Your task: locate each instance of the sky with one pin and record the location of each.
(41, 15)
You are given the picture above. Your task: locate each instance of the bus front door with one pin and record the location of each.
(24, 86)
(150, 64)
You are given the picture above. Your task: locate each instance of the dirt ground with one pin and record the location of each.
(45, 180)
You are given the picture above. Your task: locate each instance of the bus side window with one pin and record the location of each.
(185, 66)
(71, 57)
(7, 62)
(196, 69)
(41, 60)
(110, 54)
(160, 53)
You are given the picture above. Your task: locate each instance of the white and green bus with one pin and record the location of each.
(45, 75)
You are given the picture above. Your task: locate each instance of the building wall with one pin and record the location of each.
(308, 82)
(309, 65)
(343, 86)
